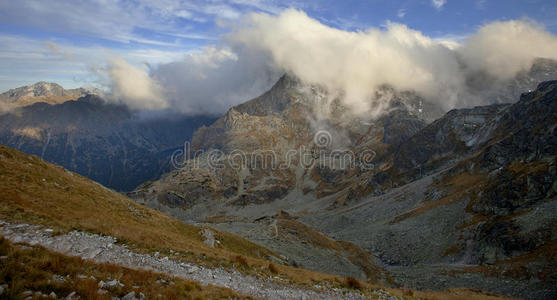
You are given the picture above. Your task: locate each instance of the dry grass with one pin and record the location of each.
(33, 191)
(353, 283)
(364, 260)
(460, 187)
(306, 233)
(455, 294)
(34, 270)
(273, 268)
(242, 261)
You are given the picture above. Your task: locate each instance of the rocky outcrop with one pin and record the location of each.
(465, 194)
(485, 200)
(50, 93)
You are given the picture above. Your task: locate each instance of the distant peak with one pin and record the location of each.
(42, 91)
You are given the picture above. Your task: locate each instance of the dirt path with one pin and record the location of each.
(103, 249)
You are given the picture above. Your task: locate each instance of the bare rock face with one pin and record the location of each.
(50, 93)
(254, 140)
(482, 195)
(462, 199)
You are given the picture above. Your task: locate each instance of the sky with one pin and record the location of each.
(62, 41)
(80, 43)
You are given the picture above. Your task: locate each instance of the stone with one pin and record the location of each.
(70, 296)
(209, 237)
(113, 283)
(101, 291)
(129, 296)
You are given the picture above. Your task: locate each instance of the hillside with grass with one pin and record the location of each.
(29, 271)
(48, 196)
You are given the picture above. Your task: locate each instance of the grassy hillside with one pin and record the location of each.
(35, 192)
(32, 270)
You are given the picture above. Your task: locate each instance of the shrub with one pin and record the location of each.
(353, 283)
(241, 260)
(273, 269)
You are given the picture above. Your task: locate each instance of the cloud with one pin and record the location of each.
(438, 4)
(133, 86)
(401, 13)
(352, 64)
(504, 48)
(54, 47)
(213, 79)
(125, 21)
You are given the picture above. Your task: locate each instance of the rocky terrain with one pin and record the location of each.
(464, 199)
(108, 143)
(63, 235)
(47, 92)
(103, 249)
(429, 199)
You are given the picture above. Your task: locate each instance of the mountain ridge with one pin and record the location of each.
(48, 92)
(106, 142)
(431, 168)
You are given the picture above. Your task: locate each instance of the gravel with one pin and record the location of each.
(103, 249)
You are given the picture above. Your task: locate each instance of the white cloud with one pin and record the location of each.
(133, 86)
(438, 4)
(352, 64)
(119, 20)
(401, 13)
(26, 61)
(260, 47)
(504, 48)
(213, 79)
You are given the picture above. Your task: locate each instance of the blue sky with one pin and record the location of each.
(66, 41)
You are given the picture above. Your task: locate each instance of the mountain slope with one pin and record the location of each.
(73, 215)
(105, 142)
(47, 274)
(34, 191)
(37, 192)
(482, 205)
(428, 208)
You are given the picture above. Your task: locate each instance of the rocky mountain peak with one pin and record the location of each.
(42, 91)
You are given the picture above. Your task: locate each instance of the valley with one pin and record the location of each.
(271, 149)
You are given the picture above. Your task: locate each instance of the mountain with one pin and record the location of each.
(47, 92)
(443, 199)
(106, 142)
(468, 201)
(507, 91)
(50, 195)
(62, 234)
